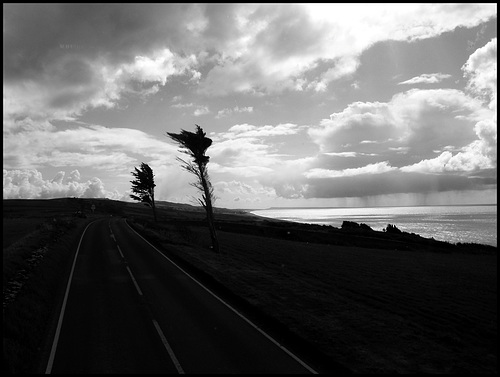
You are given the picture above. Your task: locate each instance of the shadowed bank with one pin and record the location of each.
(370, 302)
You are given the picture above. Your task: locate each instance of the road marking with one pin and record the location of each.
(128, 269)
(135, 282)
(63, 308)
(120, 251)
(111, 232)
(167, 347)
(155, 323)
(50, 362)
(231, 308)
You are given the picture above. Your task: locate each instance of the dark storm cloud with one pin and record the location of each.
(34, 33)
(290, 31)
(393, 182)
(29, 32)
(60, 59)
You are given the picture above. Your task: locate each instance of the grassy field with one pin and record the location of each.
(370, 301)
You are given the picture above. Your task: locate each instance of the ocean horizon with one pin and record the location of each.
(468, 223)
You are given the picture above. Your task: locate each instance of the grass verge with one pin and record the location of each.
(30, 313)
(371, 310)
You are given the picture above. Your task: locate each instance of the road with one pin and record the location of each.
(130, 309)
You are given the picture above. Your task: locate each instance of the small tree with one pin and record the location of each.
(392, 229)
(195, 145)
(144, 186)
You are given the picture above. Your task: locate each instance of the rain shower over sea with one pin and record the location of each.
(451, 223)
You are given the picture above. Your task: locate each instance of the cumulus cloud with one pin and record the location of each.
(275, 47)
(228, 111)
(94, 55)
(343, 66)
(237, 191)
(182, 105)
(72, 83)
(113, 151)
(248, 150)
(426, 78)
(481, 71)
(358, 122)
(417, 122)
(30, 184)
(405, 135)
(90, 55)
(201, 110)
(250, 131)
(420, 141)
(377, 168)
(244, 155)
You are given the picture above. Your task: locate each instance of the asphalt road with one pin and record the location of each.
(129, 309)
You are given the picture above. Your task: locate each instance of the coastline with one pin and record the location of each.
(448, 223)
(369, 301)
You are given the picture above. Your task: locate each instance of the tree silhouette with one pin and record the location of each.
(195, 145)
(144, 186)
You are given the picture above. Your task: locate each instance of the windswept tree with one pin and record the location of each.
(144, 186)
(195, 144)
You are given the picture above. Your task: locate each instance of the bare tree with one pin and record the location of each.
(195, 144)
(144, 186)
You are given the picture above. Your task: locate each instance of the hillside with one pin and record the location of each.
(372, 302)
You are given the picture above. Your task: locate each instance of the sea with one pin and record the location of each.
(450, 223)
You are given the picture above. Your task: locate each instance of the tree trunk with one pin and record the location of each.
(213, 232)
(153, 205)
(209, 210)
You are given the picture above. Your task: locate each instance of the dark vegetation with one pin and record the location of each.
(195, 145)
(143, 186)
(373, 302)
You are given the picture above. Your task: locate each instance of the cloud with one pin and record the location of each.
(94, 55)
(71, 84)
(88, 55)
(416, 122)
(243, 155)
(91, 55)
(237, 191)
(248, 150)
(239, 188)
(182, 105)
(377, 168)
(359, 121)
(481, 71)
(249, 131)
(426, 78)
(472, 158)
(418, 142)
(30, 184)
(201, 110)
(344, 66)
(228, 111)
(274, 48)
(392, 182)
(111, 149)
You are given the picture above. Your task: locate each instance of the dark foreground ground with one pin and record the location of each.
(372, 302)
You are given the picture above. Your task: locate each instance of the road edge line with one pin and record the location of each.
(296, 358)
(63, 308)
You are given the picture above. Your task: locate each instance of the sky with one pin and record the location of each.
(307, 105)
